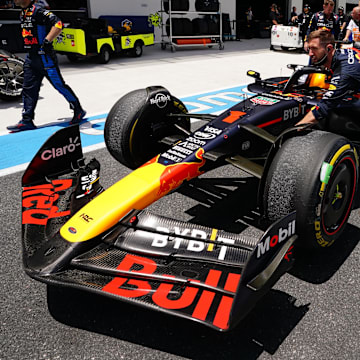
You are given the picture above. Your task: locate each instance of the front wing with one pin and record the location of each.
(204, 274)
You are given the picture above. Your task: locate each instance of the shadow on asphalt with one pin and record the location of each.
(317, 267)
(231, 210)
(229, 204)
(264, 329)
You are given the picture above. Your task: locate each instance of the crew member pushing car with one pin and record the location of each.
(39, 28)
(345, 67)
(324, 20)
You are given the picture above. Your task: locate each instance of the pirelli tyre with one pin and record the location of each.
(316, 175)
(138, 122)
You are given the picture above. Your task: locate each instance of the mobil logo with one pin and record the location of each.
(284, 233)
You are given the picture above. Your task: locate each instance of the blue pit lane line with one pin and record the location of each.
(18, 149)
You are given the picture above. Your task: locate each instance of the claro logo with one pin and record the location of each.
(61, 151)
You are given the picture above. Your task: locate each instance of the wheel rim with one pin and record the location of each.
(106, 56)
(339, 196)
(138, 50)
(11, 78)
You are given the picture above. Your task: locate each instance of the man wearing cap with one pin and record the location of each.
(303, 20)
(324, 20)
(343, 21)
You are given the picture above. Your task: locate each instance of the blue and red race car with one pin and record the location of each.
(77, 234)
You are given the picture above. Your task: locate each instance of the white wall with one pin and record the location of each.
(145, 7)
(299, 4)
(344, 2)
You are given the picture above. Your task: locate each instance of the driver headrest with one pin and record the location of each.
(317, 80)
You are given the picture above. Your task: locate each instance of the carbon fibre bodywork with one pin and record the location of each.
(77, 234)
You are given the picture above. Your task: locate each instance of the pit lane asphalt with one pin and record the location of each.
(311, 313)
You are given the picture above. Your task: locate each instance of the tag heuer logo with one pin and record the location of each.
(262, 100)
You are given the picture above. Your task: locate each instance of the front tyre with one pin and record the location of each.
(138, 122)
(315, 175)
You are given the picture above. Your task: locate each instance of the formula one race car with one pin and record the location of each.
(11, 75)
(77, 234)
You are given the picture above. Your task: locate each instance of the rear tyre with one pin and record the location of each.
(315, 175)
(104, 55)
(72, 58)
(137, 50)
(134, 127)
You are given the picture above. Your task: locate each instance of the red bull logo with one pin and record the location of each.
(59, 25)
(174, 175)
(32, 41)
(26, 33)
(29, 38)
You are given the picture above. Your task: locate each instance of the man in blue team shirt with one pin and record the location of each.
(324, 20)
(39, 28)
(345, 67)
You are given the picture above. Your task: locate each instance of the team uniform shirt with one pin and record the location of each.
(354, 28)
(36, 23)
(320, 22)
(346, 76)
(274, 16)
(304, 21)
(343, 19)
(343, 22)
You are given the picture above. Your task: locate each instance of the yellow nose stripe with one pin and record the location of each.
(212, 238)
